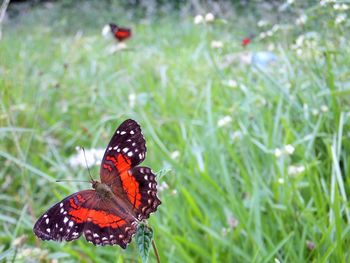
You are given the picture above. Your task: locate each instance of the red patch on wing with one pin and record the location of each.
(100, 218)
(246, 41)
(121, 163)
(131, 187)
(122, 34)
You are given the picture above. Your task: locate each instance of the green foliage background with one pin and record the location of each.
(231, 195)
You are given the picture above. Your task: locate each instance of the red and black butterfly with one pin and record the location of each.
(120, 33)
(246, 41)
(109, 213)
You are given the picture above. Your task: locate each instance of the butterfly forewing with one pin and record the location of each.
(126, 149)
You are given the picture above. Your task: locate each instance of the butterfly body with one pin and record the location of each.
(109, 213)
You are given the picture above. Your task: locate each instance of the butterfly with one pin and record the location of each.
(109, 213)
(120, 33)
(246, 41)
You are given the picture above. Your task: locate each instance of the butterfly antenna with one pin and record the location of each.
(67, 180)
(92, 180)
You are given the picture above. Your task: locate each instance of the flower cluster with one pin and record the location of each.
(208, 18)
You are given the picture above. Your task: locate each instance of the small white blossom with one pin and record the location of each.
(278, 152)
(198, 19)
(275, 28)
(209, 17)
(174, 155)
(217, 44)
(224, 121)
(315, 112)
(295, 169)
(324, 108)
(174, 192)
(231, 83)
(341, 7)
(262, 35)
(280, 180)
(271, 47)
(289, 149)
(290, 2)
(262, 23)
(93, 157)
(232, 222)
(163, 186)
(301, 20)
(286, 150)
(236, 135)
(132, 100)
(340, 19)
(299, 51)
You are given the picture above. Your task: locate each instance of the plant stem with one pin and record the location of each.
(155, 250)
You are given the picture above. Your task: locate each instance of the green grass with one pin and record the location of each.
(61, 89)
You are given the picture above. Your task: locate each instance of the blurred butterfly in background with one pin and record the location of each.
(119, 33)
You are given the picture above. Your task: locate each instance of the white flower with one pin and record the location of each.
(289, 149)
(262, 23)
(295, 169)
(198, 19)
(217, 44)
(278, 152)
(163, 186)
(174, 192)
(224, 121)
(290, 2)
(93, 157)
(271, 47)
(341, 7)
(280, 180)
(236, 135)
(275, 28)
(106, 32)
(262, 35)
(231, 83)
(209, 17)
(340, 19)
(301, 20)
(315, 112)
(300, 40)
(174, 155)
(232, 222)
(132, 100)
(324, 108)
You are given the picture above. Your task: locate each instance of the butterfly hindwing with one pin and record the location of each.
(147, 201)
(101, 221)
(57, 223)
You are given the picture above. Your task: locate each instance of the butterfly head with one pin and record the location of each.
(113, 27)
